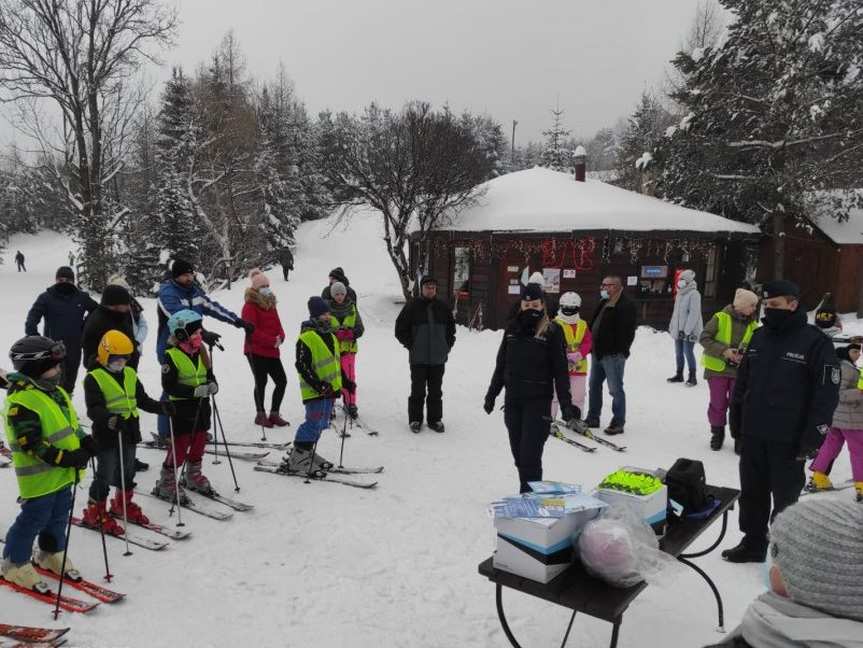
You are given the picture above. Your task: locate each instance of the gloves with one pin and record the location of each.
(488, 405)
(73, 458)
(345, 334)
(202, 391)
(326, 390)
(90, 444)
(349, 384)
(575, 357)
(692, 338)
(210, 338)
(243, 324)
(213, 388)
(114, 423)
(168, 408)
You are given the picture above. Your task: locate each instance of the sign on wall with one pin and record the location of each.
(654, 272)
(552, 279)
(569, 273)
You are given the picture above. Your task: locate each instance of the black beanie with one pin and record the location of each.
(428, 279)
(339, 275)
(116, 296)
(65, 272)
(781, 288)
(531, 292)
(181, 267)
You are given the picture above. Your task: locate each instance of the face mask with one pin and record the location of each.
(266, 292)
(117, 366)
(604, 294)
(681, 284)
(774, 318)
(530, 317)
(192, 345)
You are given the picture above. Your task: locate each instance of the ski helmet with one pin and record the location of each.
(570, 303)
(183, 324)
(35, 354)
(114, 343)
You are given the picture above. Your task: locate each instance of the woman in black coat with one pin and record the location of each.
(531, 364)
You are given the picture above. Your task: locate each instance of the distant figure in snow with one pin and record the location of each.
(19, 259)
(286, 259)
(686, 325)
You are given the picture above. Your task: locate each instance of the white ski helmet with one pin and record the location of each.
(570, 300)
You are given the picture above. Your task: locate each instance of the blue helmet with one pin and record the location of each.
(184, 323)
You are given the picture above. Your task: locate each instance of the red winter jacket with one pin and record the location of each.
(262, 312)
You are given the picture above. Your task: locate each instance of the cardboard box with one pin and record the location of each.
(650, 508)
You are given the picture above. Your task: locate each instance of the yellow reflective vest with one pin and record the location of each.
(349, 322)
(36, 477)
(118, 400)
(723, 335)
(187, 373)
(327, 364)
(573, 340)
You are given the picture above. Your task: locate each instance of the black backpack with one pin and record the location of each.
(687, 485)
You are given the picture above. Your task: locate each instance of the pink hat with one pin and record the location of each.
(259, 279)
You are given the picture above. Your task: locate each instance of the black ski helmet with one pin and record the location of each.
(34, 355)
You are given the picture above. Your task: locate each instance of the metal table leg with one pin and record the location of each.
(683, 558)
(498, 595)
(615, 634)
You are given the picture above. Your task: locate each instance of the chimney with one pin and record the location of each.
(580, 163)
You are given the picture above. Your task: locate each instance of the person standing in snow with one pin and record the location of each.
(262, 348)
(337, 274)
(64, 308)
(321, 379)
(725, 338)
(426, 328)
(786, 391)
(847, 426)
(348, 327)
(19, 260)
(578, 344)
(613, 330)
(532, 365)
(686, 326)
(286, 259)
(113, 314)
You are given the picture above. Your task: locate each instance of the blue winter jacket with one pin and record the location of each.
(173, 297)
(64, 309)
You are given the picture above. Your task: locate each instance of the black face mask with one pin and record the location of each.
(528, 319)
(65, 288)
(775, 318)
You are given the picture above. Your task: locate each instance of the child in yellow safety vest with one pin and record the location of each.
(348, 328)
(188, 380)
(49, 453)
(578, 344)
(113, 395)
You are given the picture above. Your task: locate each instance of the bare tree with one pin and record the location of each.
(80, 55)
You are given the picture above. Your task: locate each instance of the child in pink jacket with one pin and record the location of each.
(578, 345)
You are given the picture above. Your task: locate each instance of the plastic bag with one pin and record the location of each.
(622, 549)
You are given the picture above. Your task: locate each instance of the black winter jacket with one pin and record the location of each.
(100, 321)
(427, 329)
(616, 329)
(64, 309)
(191, 409)
(787, 385)
(99, 414)
(531, 366)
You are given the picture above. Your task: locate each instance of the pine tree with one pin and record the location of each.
(555, 155)
(645, 129)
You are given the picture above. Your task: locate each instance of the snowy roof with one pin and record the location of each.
(543, 200)
(849, 232)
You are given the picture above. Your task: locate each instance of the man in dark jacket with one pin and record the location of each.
(286, 259)
(19, 260)
(787, 388)
(426, 328)
(113, 314)
(64, 309)
(337, 274)
(613, 330)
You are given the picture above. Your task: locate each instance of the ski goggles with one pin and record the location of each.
(56, 352)
(569, 310)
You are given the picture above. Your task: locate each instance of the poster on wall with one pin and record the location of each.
(514, 289)
(552, 279)
(512, 268)
(632, 281)
(569, 273)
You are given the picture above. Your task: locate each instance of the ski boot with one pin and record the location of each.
(691, 381)
(746, 552)
(140, 466)
(97, 518)
(133, 511)
(717, 437)
(437, 426)
(277, 420)
(195, 479)
(858, 487)
(263, 420)
(676, 378)
(819, 482)
(24, 576)
(352, 412)
(53, 561)
(299, 460)
(415, 426)
(166, 489)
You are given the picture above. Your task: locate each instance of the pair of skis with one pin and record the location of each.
(848, 483)
(31, 637)
(278, 468)
(557, 431)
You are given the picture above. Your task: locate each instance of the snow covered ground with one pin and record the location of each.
(325, 565)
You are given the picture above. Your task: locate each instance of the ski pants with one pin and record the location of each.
(188, 447)
(426, 377)
(262, 367)
(349, 367)
(285, 271)
(108, 471)
(577, 389)
(528, 426)
(721, 391)
(317, 420)
(45, 517)
(767, 470)
(832, 446)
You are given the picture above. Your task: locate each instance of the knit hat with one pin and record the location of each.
(259, 279)
(337, 274)
(531, 292)
(338, 288)
(427, 279)
(744, 299)
(317, 307)
(115, 296)
(781, 288)
(118, 280)
(181, 267)
(818, 547)
(65, 272)
(688, 275)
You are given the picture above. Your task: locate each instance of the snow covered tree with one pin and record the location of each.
(645, 129)
(775, 116)
(490, 140)
(602, 150)
(555, 155)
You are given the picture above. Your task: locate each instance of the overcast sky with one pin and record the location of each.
(508, 58)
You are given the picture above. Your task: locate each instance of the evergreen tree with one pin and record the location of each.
(555, 155)
(645, 129)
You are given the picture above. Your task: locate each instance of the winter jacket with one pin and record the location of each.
(787, 385)
(173, 297)
(303, 357)
(286, 258)
(613, 327)
(576, 367)
(712, 347)
(772, 621)
(347, 334)
(849, 411)
(427, 329)
(98, 412)
(686, 322)
(190, 409)
(262, 312)
(531, 365)
(100, 321)
(64, 309)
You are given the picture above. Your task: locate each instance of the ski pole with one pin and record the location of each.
(344, 434)
(108, 574)
(218, 418)
(176, 483)
(123, 490)
(66, 547)
(258, 392)
(216, 460)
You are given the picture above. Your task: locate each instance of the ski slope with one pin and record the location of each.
(327, 566)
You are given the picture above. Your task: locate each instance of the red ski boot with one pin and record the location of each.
(133, 511)
(262, 420)
(95, 512)
(276, 419)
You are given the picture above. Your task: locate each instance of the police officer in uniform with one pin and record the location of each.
(787, 388)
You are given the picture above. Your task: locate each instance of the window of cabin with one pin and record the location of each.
(461, 271)
(710, 273)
